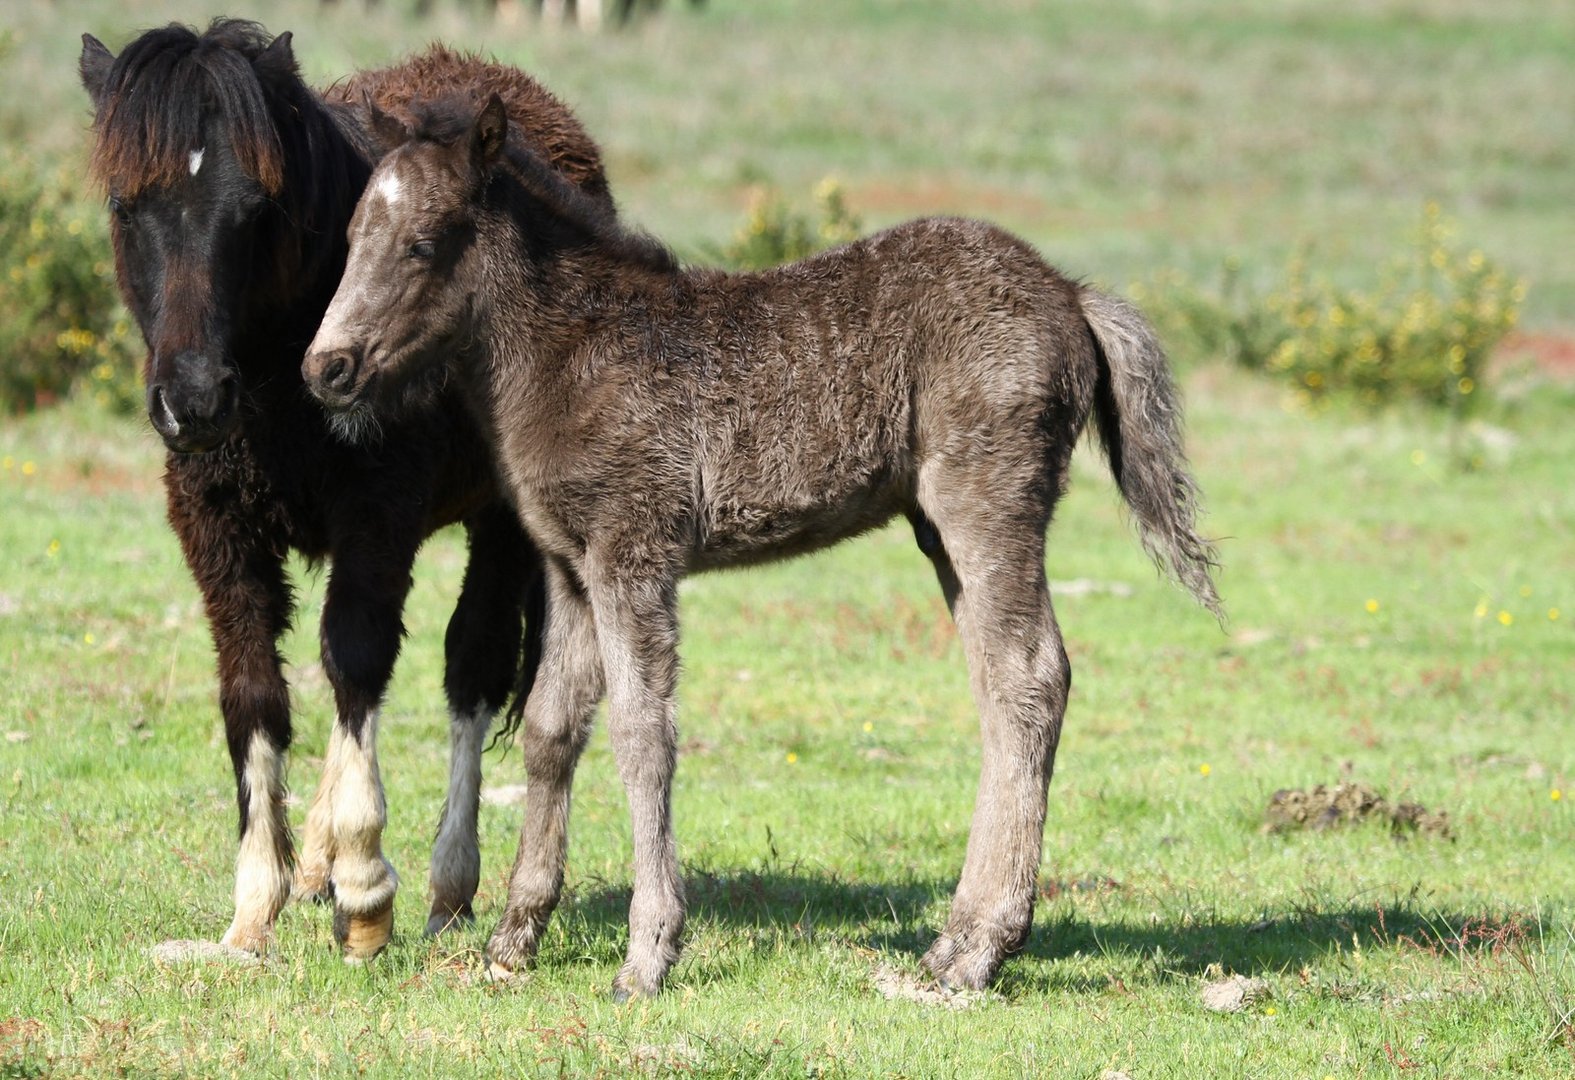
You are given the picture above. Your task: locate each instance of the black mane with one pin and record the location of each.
(161, 88)
(167, 83)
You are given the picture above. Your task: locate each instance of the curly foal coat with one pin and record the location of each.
(651, 422)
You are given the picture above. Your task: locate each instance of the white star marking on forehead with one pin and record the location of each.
(388, 187)
(194, 160)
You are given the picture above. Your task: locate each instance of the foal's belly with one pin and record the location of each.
(737, 533)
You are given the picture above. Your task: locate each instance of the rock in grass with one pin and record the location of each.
(199, 952)
(1233, 994)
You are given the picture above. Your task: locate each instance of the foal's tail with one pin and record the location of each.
(1138, 414)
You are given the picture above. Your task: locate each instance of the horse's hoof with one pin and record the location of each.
(312, 887)
(444, 919)
(363, 934)
(248, 938)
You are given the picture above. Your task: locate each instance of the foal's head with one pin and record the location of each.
(191, 150)
(405, 300)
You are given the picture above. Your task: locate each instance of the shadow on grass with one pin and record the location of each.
(1115, 929)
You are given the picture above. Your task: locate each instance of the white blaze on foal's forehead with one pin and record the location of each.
(388, 187)
(194, 160)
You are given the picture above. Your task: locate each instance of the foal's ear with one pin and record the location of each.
(389, 129)
(278, 59)
(94, 66)
(492, 128)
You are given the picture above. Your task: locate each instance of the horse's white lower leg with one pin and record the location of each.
(262, 867)
(364, 881)
(456, 855)
(315, 863)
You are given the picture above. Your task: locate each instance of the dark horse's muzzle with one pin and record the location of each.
(197, 409)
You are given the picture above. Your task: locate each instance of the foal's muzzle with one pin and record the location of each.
(332, 376)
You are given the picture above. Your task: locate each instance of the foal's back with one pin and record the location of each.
(825, 386)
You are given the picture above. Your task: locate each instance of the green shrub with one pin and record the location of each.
(773, 233)
(63, 326)
(1424, 333)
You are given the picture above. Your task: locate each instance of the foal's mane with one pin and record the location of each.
(161, 87)
(449, 121)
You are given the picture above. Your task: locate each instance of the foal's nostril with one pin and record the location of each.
(336, 373)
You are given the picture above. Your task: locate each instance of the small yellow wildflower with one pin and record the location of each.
(1505, 617)
(88, 638)
(792, 758)
(868, 726)
(1555, 794)
(1270, 1010)
(1466, 385)
(1553, 614)
(1482, 608)
(1204, 769)
(1372, 607)
(53, 549)
(28, 468)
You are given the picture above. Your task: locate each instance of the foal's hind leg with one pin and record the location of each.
(483, 664)
(556, 724)
(637, 627)
(993, 574)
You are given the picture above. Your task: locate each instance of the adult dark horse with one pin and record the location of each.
(652, 421)
(231, 184)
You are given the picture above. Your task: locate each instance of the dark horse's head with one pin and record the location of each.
(194, 139)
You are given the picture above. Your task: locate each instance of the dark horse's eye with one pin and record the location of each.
(423, 249)
(121, 211)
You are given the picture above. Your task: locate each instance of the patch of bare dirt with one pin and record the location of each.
(894, 985)
(1327, 806)
(1553, 354)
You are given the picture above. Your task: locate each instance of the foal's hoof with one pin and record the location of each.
(445, 918)
(622, 992)
(962, 964)
(363, 934)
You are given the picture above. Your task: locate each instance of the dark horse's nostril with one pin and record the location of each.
(160, 413)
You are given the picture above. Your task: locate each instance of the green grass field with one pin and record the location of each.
(1399, 588)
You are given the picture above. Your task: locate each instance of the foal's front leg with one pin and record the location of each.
(557, 722)
(637, 627)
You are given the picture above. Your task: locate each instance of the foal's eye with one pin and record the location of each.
(121, 211)
(423, 249)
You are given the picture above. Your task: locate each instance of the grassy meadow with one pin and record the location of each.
(1399, 589)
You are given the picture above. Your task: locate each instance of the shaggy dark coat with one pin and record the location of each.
(652, 422)
(231, 185)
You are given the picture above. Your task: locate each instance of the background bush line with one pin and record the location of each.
(1422, 331)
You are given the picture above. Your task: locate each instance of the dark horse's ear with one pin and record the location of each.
(278, 59)
(389, 129)
(486, 139)
(94, 66)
